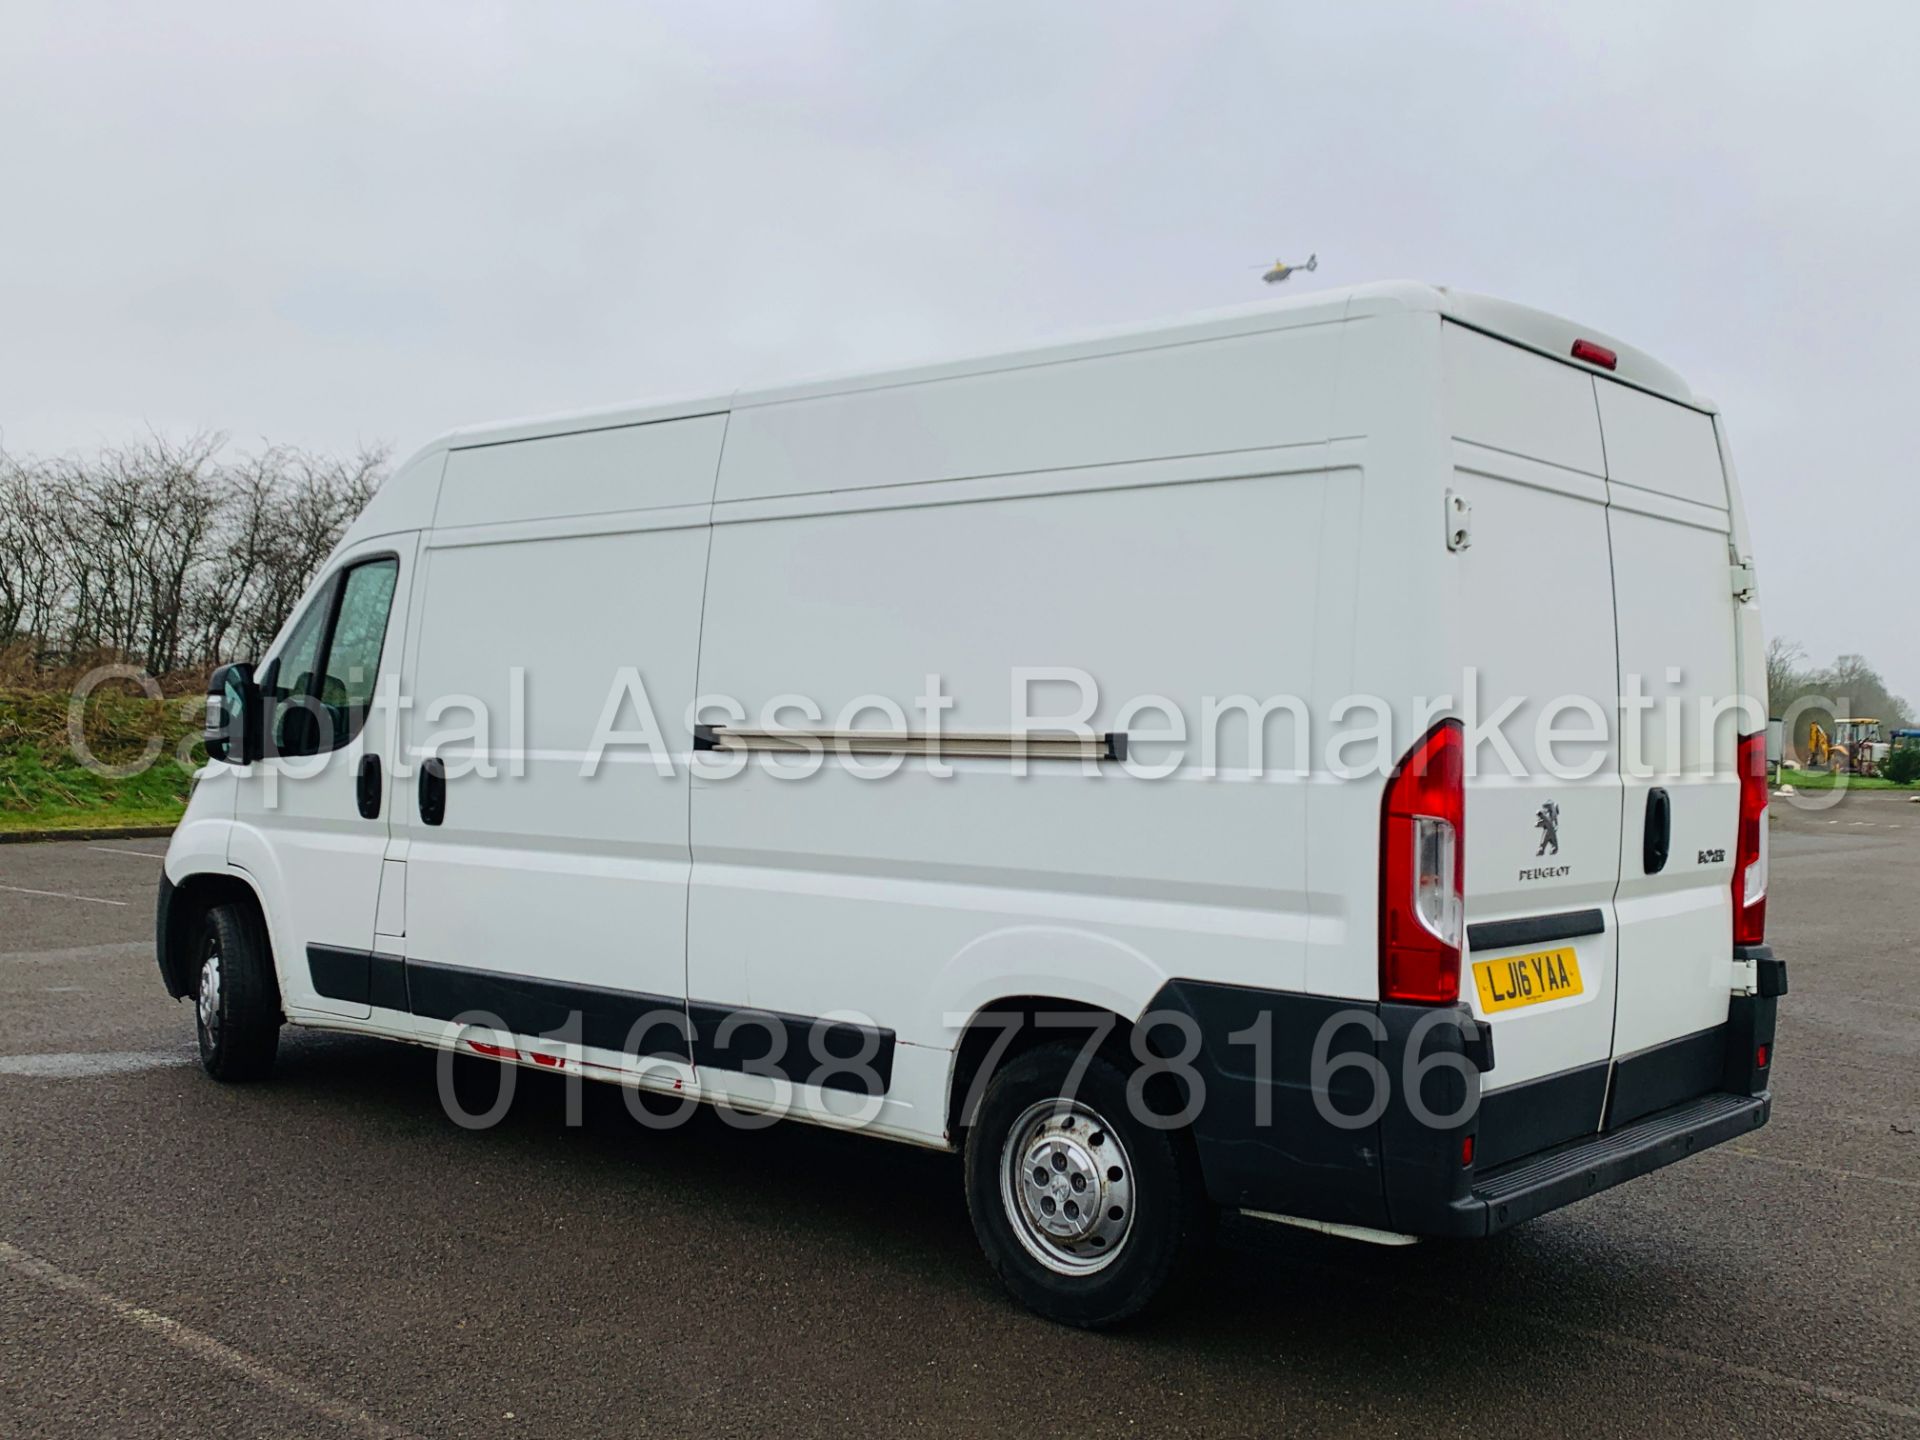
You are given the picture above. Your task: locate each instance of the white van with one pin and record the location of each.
(1304, 761)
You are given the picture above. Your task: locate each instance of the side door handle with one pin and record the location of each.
(367, 787)
(1659, 832)
(433, 791)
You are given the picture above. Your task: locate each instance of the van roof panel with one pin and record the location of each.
(1535, 329)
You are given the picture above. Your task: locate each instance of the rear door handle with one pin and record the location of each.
(367, 787)
(1659, 832)
(433, 791)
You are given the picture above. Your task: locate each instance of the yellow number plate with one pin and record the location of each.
(1526, 979)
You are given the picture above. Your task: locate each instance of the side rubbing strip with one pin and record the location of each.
(955, 745)
(340, 974)
(1535, 929)
(622, 1020)
(358, 977)
(387, 983)
(801, 1049)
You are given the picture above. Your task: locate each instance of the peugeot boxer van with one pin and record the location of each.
(1305, 761)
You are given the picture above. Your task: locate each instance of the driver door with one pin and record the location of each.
(311, 817)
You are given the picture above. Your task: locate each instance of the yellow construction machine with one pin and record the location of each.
(1854, 747)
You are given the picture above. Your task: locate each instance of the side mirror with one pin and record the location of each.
(233, 715)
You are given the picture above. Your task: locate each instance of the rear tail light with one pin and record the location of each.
(1422, 864)
(1750, 847)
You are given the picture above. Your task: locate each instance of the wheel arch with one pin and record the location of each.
(183, 906)
(969, 1072)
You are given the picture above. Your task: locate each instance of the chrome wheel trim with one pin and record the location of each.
(1067, 1184)
(208, 1003)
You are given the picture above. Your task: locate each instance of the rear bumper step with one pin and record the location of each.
(1570, 1172)
(1285, 1137)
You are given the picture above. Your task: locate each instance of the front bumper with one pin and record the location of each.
(163, 947)
(1359, 1113)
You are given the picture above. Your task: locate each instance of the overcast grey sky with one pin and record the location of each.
(372, 222)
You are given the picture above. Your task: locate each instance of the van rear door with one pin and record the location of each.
(1543, 844)
(1668, 516)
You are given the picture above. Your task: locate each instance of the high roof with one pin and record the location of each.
(1535, 329)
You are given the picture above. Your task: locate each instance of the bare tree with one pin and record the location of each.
(1850, 687)
(30, 580)
(1861, 691)
(1786, 671)
(167, 553)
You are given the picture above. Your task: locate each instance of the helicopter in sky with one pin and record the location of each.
(1281, 269)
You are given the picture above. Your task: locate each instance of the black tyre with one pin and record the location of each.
(236, 996)
(1085, 1212)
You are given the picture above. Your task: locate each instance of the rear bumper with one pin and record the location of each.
(1580, 1168)
(1361, 1112)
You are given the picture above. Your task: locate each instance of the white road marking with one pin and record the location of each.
(60, 895)
(1754, 1374)
(124, 949)
(1733, 1369)
(87, 1064)
(142, 854)
(200, 1345)
(1820, 1169)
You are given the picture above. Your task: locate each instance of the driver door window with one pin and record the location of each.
(321, 704)
(353, 649)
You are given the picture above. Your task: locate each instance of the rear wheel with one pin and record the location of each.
(1084, 1211)
(236, 997)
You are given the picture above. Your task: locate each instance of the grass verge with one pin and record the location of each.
(46, 784)
(1821, 780)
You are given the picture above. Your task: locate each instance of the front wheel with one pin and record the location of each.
(237, 998)
(1084, 1210)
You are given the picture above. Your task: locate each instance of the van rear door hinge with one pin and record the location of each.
(1746, 584)
(1459, 521)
